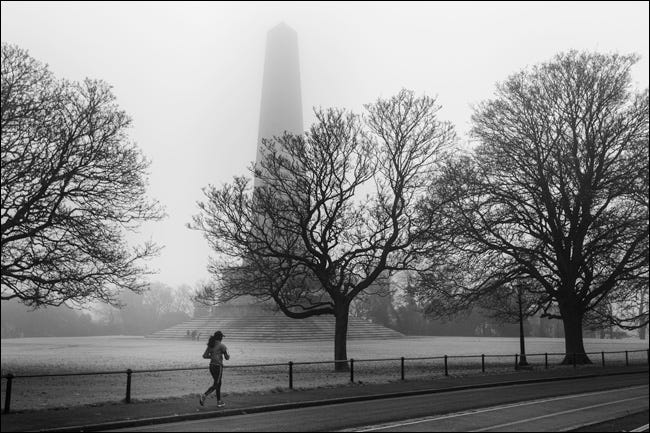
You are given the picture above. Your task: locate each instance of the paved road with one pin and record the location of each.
(637, 422)
(536, 407)
(549, 414)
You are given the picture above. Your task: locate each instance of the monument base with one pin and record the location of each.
(259, 322)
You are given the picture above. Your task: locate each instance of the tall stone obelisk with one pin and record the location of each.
(281, 107)
(245, 318)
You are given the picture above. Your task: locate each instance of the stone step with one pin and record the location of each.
(259, 323)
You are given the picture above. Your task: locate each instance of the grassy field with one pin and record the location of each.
(114, 353)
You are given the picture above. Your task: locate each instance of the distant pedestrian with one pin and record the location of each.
(215, 352)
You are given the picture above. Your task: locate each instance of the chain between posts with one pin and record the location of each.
(129, 372)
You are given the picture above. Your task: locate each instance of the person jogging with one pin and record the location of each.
(215, 352)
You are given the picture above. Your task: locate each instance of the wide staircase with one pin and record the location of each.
(260, 323)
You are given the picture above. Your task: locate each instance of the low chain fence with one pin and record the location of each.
(75, 388)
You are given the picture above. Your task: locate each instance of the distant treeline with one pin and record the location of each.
(160, 308)
(163, 307)
(402, 314)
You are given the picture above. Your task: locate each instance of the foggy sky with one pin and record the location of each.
(190, 74)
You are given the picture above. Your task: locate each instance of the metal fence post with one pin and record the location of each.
(546, 361)
(128, 385)
(516, 361)
(402, 367)
(290, 374)
(10, 378)
(483, 363)
(446, 368)
(602, 357)
(575, 365)
(627, 360)
(352, 370)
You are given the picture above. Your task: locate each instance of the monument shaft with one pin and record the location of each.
(281, 105)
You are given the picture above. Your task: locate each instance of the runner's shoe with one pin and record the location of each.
(202, 399)
(221, 403)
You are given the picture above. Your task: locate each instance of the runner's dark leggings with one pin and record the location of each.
(216, 371)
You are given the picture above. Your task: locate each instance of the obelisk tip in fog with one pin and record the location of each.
(281, 106)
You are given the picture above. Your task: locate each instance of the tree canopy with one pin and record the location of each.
(557, 190)
(72, 183)
(334, 212)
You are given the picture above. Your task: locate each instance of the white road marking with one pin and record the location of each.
(642, 428)
(488, 409)
(558, 413)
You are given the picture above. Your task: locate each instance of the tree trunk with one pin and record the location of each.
(573, 342)
(522, 346)
(341, 313)
(642, 330)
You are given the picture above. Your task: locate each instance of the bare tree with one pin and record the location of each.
(334, 212)
(497, 289)
(514, 303)
(643, 312)
(71, 184)
(557, 187)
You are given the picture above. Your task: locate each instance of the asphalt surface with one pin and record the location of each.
(633, 422)
(152, 412)
(548, 414)
(545, 406)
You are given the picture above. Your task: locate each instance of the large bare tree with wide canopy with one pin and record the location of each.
(334, 212)
(72, 185)
(557, 192)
